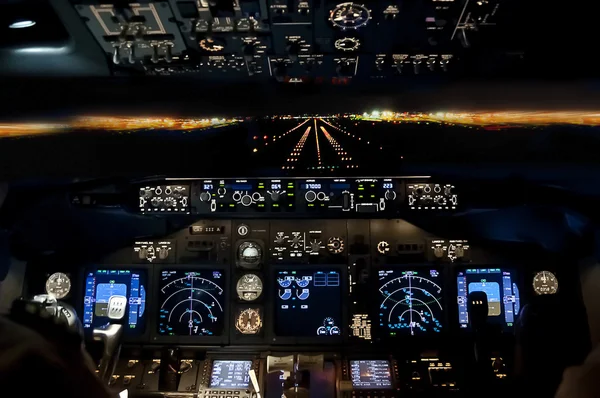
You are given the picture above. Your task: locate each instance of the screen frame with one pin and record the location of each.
(392, 374)
(275, 339)
(382, 332)
(126, 338)
(516, 276)
(195, 340)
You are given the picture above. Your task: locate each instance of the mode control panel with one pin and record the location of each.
(318, 197)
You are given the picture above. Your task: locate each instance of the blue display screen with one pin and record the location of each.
(115, 296)
(502, 293)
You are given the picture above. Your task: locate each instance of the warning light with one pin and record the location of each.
(255, 150)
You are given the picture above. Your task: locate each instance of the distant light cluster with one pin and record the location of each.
(522, 118)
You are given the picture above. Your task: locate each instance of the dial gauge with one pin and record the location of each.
(249, 255)
(249, 321)
(249, 287)
(212, 45)
(347, 44)
(349, 16)
(545, 282)
(58, 285)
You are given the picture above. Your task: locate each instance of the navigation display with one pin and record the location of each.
(191, 303)
(115, 296)
(371, 375)
(308, 303)
(230, 374)
(410, 302)
(502, 293)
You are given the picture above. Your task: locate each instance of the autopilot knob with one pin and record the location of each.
(155, 202)
(344, 69)
(293, 49)
(204, 196)
(246, 200)
(459, 252)
(310, 196)
(438, 252)
(275, 196)
(389, 195)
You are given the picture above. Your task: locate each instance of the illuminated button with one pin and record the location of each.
(229, 393)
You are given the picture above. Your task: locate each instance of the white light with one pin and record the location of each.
(23, 23)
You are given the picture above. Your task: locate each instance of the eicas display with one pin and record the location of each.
(191, 303)
(230, 374)
(411, 302)
(115, 296)
(308, 303)
(501, 290)
(371, 374)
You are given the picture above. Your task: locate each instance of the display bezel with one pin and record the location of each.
(382, 332)
(209, 340)
(516, 277)
(127, 337)
(275, 339)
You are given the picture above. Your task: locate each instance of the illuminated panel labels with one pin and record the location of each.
(164, 199)
(427, 196)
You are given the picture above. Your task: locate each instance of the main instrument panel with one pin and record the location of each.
(253, 269)
(287, 41)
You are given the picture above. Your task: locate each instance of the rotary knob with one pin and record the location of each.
(310, 196)
(155, 202)
(143, 253)
(459, 252)
(315, 246)
(246, 200)
(185, 366)
(275, 196)
(279, 238)
(438, 252)
(296, 240)
(293, 49)
(390, 195)
(204, 196)
(146, 193)
(170, 202)
(163, 253)
(335, 245)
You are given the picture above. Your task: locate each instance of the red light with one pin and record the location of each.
(265, 137)
(255, 137)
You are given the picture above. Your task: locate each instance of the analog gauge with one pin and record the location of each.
(213, 45)
(249, 287)
(249, 255)
(349, 16)
(248, 321)
(545, 282)
(58, 285)
(347, 44)
(335, 245)
(383, 247)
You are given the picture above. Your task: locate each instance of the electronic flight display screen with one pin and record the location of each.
(308, 303)
(410, 301)
(371, 375)
(502, 295)
(115, 296)
(191, 303)
(230, 374)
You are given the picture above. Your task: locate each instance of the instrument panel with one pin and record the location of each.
(289, 42)
(281, 282)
